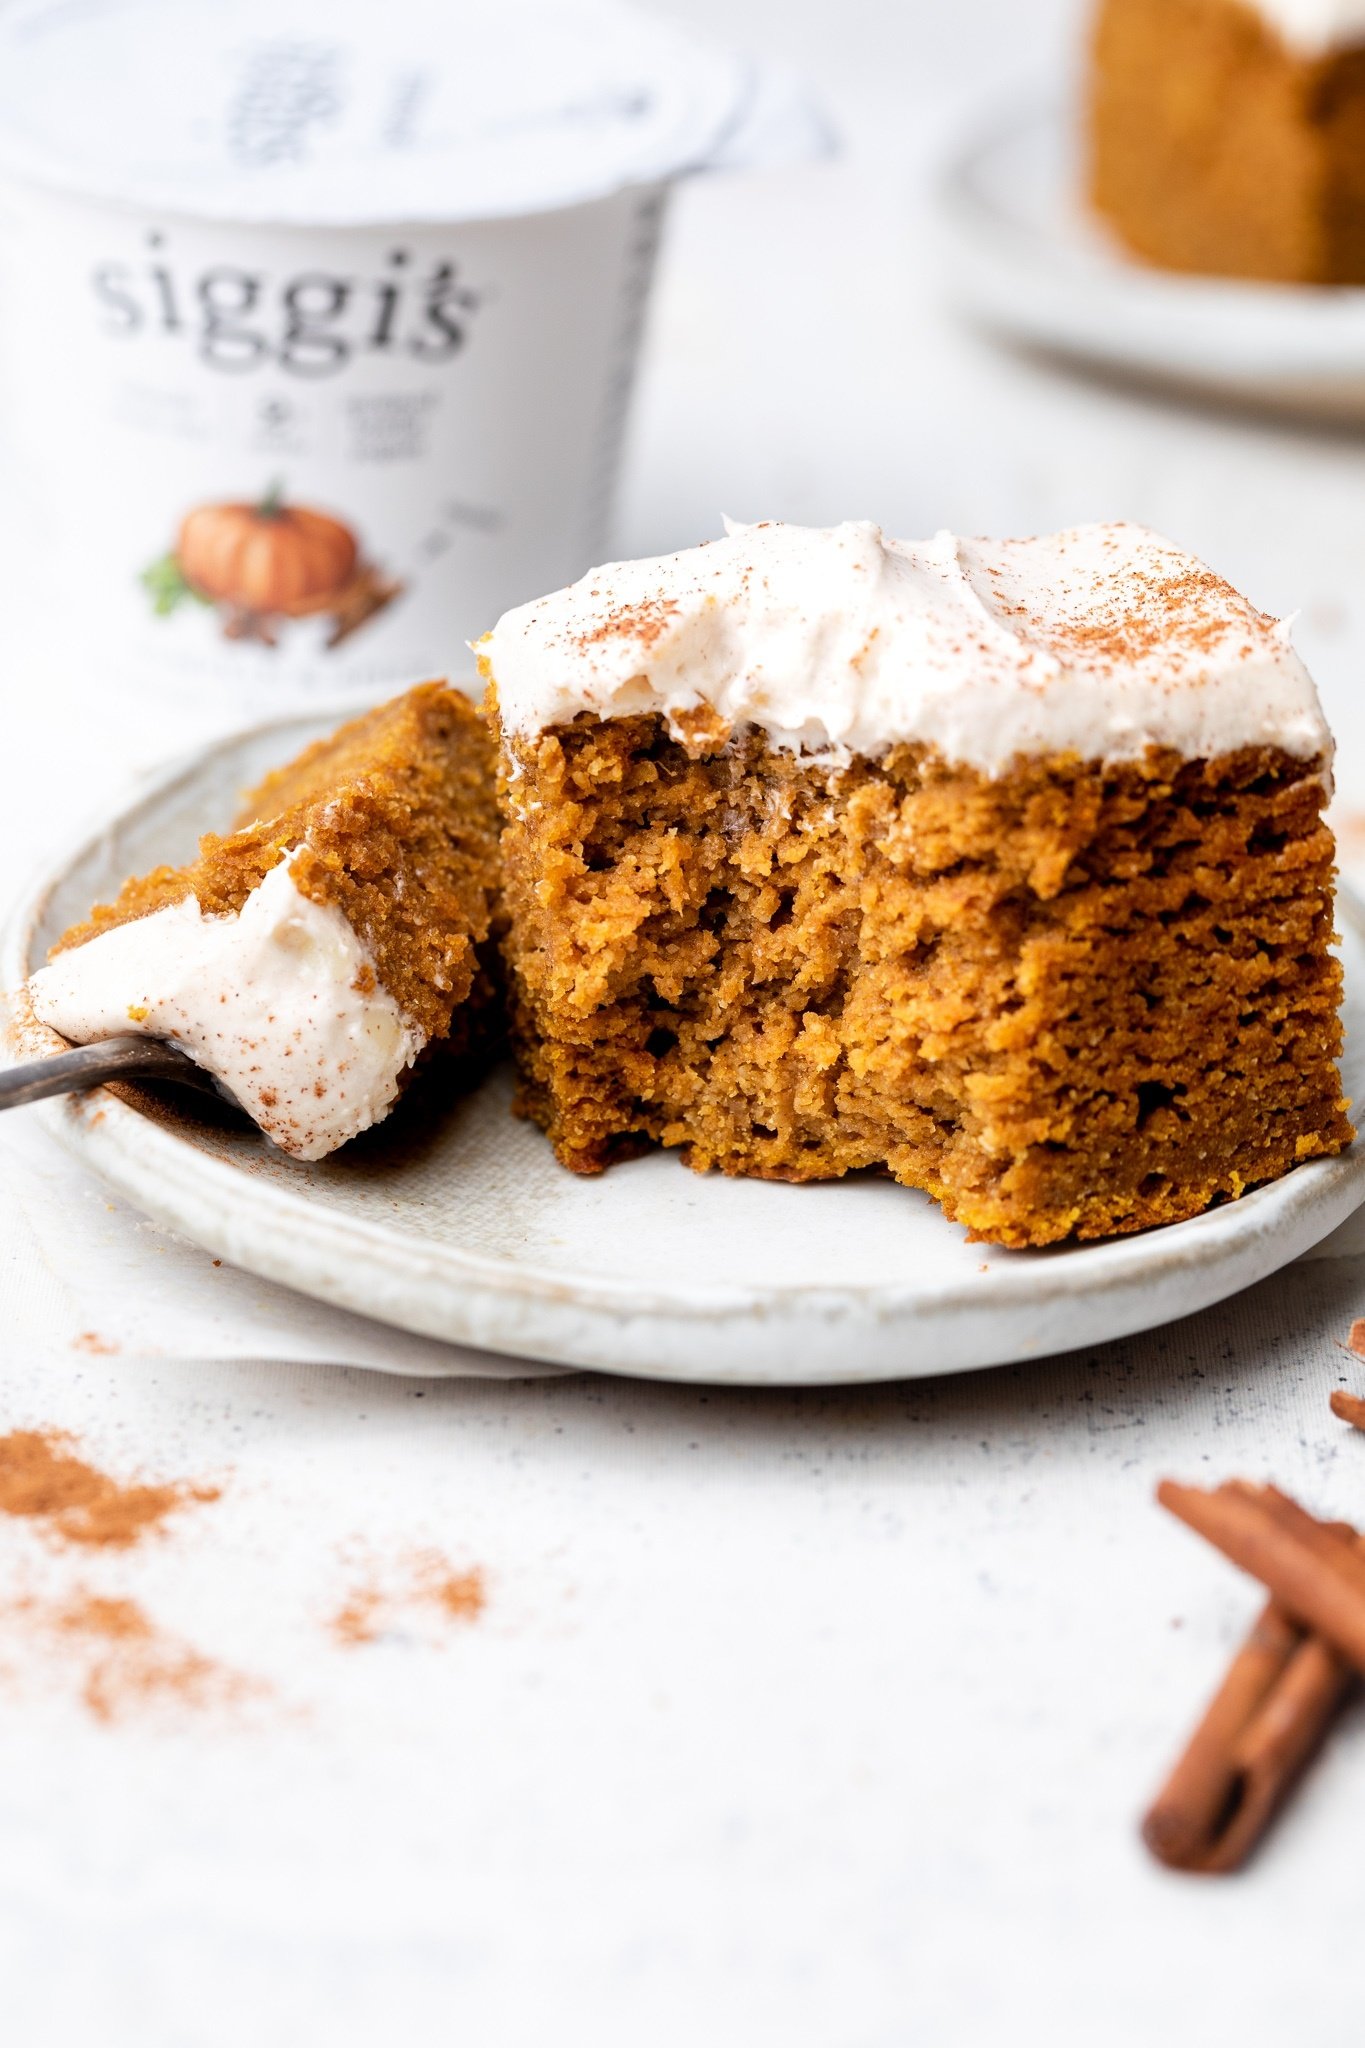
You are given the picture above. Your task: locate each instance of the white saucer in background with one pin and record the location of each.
(1024, 257)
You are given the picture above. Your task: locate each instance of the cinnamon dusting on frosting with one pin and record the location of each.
(644, 622)
(1187, 611)
(1101, 641)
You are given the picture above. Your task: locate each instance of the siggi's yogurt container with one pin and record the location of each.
(319, 317)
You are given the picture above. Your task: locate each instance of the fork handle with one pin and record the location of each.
(112, 1059)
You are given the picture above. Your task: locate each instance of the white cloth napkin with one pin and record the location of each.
(82, 1273)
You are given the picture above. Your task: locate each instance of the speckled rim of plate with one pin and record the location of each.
(1021, 255)
(1038, 1304)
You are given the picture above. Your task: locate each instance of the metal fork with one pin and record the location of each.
(113, 1059)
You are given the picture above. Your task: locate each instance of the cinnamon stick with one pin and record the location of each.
(1314, 1569)
(1190, 1812)
(1348, 1408)
(1279, 1745)
(1263, 1728)
(1284, 1688)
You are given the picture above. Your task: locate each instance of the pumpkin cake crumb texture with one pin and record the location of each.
(390, 826)
(998, 867)
(1074, 998)
(396, 823)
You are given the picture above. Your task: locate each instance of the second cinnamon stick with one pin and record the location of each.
(1316, 1571)
(1281, 1740)
(1348, 1408)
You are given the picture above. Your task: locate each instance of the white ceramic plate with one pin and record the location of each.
(1023, 256)
(472, 1233)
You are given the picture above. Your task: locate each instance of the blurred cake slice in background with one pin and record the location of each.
(307, 959)
(1228, 137)
(999, 865)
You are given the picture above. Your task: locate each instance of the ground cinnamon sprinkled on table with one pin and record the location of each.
(428, 1582)
(124, 1662)
(43, 1479)
(358, 1619)
(97, 1346)
(460, 1595)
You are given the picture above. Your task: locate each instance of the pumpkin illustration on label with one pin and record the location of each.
(261, 565)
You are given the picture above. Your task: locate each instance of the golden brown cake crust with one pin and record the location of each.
(395, 819)
(1071, 1001)
(1214, 148)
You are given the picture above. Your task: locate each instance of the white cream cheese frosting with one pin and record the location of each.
(1100, 641)
(1313, 27)
(278, 1001)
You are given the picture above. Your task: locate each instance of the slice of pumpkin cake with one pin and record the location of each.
(998, 865)
(308, 958)
(1228, 136)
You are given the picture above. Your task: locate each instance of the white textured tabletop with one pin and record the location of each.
(817, 1720)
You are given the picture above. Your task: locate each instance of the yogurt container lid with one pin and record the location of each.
(344, 112)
